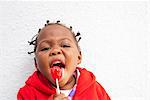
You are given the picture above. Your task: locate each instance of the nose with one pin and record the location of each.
(55, 52)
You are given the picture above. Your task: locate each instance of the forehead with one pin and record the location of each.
(55, 31)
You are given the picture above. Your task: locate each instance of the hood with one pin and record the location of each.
(38, 81)
(85, 80)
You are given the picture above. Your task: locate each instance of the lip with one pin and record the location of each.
(54, 60)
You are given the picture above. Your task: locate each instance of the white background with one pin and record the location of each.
(115, 43)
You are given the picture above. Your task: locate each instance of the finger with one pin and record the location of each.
(65, 98)
(59, 96)
(62, 95)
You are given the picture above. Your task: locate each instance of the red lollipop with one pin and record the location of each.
(56, 72)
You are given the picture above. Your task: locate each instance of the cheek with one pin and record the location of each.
(42, 61)
(75, 54)
(74, 57)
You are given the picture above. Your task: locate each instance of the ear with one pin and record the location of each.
(35, 64)
(79, 57)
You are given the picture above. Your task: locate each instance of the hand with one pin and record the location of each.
(60, 96)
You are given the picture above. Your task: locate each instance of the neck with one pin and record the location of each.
(70, 84)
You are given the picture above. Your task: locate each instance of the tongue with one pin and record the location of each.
(56, 72)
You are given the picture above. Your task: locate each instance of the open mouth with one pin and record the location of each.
(57, 63)
(57, 69)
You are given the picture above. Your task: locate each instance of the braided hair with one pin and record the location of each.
(33, 41)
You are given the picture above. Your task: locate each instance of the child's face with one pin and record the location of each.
(56, 42)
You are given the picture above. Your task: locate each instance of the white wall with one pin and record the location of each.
(115, 43)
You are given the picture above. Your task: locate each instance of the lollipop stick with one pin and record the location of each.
(57, 84)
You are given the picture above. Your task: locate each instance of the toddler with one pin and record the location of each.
(57, 55)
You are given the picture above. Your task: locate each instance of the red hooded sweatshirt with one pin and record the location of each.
(87, 88)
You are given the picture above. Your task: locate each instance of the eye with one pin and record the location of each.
(45, 49)
(65, 46)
